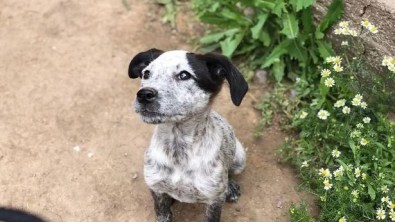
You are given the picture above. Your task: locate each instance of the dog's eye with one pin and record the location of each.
(146, 74)
(184, 75)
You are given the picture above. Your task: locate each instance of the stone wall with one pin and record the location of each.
(379, 12)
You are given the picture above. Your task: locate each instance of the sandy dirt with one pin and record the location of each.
(64, 83)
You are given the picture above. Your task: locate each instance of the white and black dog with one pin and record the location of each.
(193, 149)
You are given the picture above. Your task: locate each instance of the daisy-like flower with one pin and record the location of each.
(343, 24)
(364, 142)
(325, 173)
(355, 193)
(344, 43)
(323, 114)
(340, 103)
(303, 115)
(343, 219)
(357, 172)
(392, 215)
(345, 31)
(325, 72)
(337, 60)
(386, 61)
(338, 31)
(391, 68)
(329, 59)
(358, 97)
(327, 185)
(360, 125)
(336, 153)
(366, 120)
(338, 68)
(373, 29)
(391, 205)
(353, 33)
(304, 164)
(364, 105)
(380, 214)
(356, 102)
(365, 23)
(384, 189)
(385, 199)
(329, 82)
(346, 110)
(338, 173)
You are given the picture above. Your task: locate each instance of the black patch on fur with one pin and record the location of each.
(233, 192)
(142, 60)
(162, 204)
(211, 69)
(13, 215)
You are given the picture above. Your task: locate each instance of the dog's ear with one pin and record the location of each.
(142, 60)
(220, 66)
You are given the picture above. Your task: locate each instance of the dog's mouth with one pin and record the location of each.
(147, 113)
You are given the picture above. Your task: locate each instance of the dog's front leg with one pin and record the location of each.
(162, 204)
(213, 211)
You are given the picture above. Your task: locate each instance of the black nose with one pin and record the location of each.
(146, 95)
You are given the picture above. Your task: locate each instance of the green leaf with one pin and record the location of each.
(209, 48)
(278, 51)
(334, 13)
(258, 27)
(371, 192)
(278, 70)
(301, 4)
(279, 8)
(296, 50)
(323, 88)
(352, 146)
(325, 49)
(214, 37)
(229, 45)
(290, 24)
(234, 16)
(307, 20)
(265, 38)
(268, 4)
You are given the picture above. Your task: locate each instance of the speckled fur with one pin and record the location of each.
(193, 150)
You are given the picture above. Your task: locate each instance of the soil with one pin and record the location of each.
(64, 87)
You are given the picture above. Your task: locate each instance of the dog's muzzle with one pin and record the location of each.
(146, 95)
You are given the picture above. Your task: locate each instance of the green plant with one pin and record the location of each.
(171, 11)
(275, 34)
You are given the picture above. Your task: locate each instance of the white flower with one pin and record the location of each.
(325, 72)
(346, 110)
(364, 105)
(386, 61)
(353, 33)
(338, 173)
(360, 125)
(365, 23)
(358, 97)
(325, 173)
(336, 153)
(344, 43)
(385, 199)
(90, 154)
(343, 24)
(373, 29)
(356, 102)
(343, 219)
(337, 60)
(303, 115)
(364, 142)
(392, 215)
(304, 164)
(338, 31)
(329, 59)
(297, 80)
(338, 68)
(345, 31)
(364, 176)
(357, 172)
(323, 114)
(391, 205)
(340, 103)
(366, 120)
(327, 185)
(384, 189)
(329, 82)
(380, 214)
(355, 134)
(355, 193)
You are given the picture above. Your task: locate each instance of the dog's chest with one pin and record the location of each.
(187, 170)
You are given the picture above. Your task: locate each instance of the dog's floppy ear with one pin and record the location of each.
(142, 60)
(220, 66)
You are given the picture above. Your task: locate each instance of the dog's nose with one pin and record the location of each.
(146, 95)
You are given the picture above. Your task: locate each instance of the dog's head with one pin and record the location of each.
(176, 85)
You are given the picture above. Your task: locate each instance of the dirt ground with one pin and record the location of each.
(64, 84)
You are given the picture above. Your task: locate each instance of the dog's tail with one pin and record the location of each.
(239, 160)
(14, 215)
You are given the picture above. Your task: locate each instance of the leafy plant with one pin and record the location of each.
(276, 34)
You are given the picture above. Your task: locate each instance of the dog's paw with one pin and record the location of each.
(233, 192)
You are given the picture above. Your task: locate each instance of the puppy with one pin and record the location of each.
(193, 149)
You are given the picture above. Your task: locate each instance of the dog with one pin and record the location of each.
(193, 149)
(15, 215)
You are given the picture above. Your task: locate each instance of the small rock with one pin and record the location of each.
(90, 154)
(134, 176)
(237, 209)
(77, 149)
(260, 76)
(126, 154)
(279, 204)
